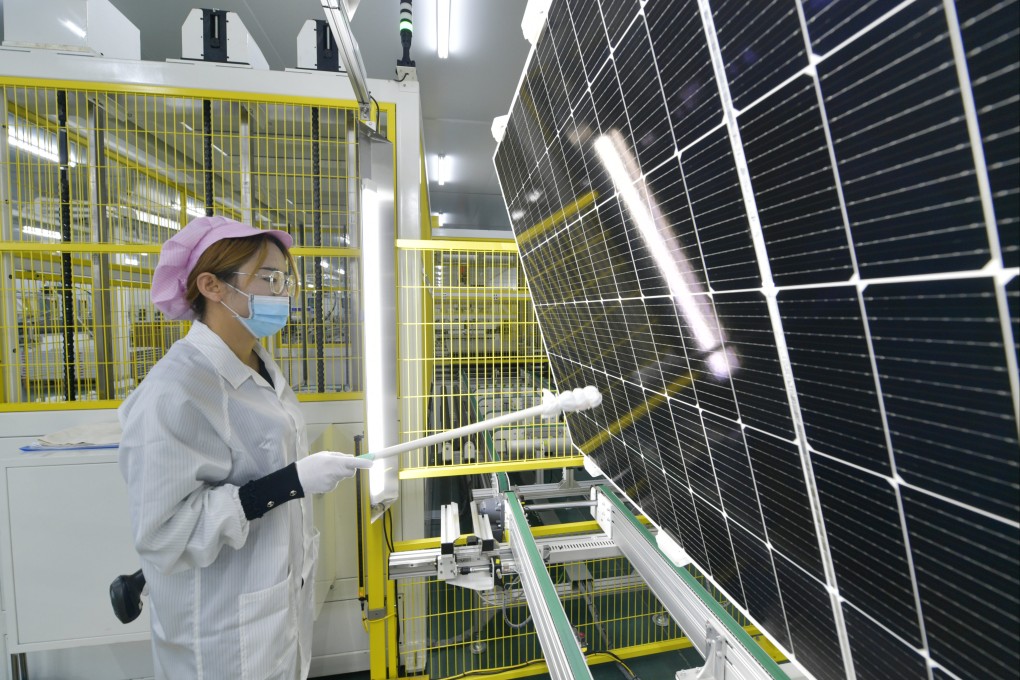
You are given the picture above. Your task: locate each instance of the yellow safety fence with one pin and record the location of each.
(94, 179)
(471, 349)
(448, 632)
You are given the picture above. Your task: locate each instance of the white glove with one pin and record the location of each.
(322, 471)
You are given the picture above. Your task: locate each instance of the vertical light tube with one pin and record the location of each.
(441, 171)
(443, 29)
(374, 379)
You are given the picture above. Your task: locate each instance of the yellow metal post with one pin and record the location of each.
(376, 561)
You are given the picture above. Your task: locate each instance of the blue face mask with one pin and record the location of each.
(268, 314)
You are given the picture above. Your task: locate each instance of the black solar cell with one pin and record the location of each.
(794, 278)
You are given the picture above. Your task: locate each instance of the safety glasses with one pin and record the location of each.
(279, 282)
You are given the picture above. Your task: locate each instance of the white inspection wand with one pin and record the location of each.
(552, 405)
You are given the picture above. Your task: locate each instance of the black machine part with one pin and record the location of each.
(126, 596)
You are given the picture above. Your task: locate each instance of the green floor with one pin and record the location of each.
(655, 667)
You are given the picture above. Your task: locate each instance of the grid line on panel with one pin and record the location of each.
(879, 653)
(805, 232)
(839, 22)
(859, 658)
(733, 473)
(693, 105)
(759, 53)
(972, 617)
(678, 452)
(995, 78)
(866, 533)
(764, 597)
(758, 242)
(643, 101)
(939, 350)
(832, 366)
(873, 362)
(814, 633)
(895, 146)
(590, 31)
(976, 145)
(903, 484)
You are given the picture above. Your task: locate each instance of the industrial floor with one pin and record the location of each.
(655, 667)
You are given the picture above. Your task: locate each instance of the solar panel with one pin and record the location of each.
(783, 239)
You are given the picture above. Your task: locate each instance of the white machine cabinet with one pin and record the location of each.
(69, 537)
(65, 535)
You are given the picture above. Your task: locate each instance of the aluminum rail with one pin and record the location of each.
(531, 492)
(340, 24)
(727, 648)
(404, 564)
(560, 647)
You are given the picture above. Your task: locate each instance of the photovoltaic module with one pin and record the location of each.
(783, 239)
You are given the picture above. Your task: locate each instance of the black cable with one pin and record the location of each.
(377, 112)
(617, 659)
(388, 534)
(358, 513)
(319, 328)
(468, 674)
(67, 267)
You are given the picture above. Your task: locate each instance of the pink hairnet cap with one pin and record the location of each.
(181, 252)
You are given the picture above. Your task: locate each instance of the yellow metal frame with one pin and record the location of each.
(484, 468)
(29, 99)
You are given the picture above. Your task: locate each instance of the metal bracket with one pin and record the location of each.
(729, 652)
(715, 659)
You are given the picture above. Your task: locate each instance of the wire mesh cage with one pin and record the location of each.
(472, 350)
(447, 631)
(94, 180)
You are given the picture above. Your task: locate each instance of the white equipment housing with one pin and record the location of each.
(241, 47)
(92, 27)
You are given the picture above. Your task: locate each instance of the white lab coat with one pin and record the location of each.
(228, 598)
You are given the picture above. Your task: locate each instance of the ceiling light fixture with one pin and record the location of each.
(41, 233)
(441, 174)
(37, 145)
(443, 29)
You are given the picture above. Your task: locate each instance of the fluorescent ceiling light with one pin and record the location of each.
(441, 174)
(222, 152)
(193, 208)
(40, 146)
(443, 29)
(42, 233)
(187, 127)
(156, 220)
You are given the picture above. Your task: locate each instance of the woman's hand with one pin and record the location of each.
(322, 471)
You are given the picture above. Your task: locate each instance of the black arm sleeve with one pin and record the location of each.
(261, 495)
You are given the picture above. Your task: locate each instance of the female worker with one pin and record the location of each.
(214, 455)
